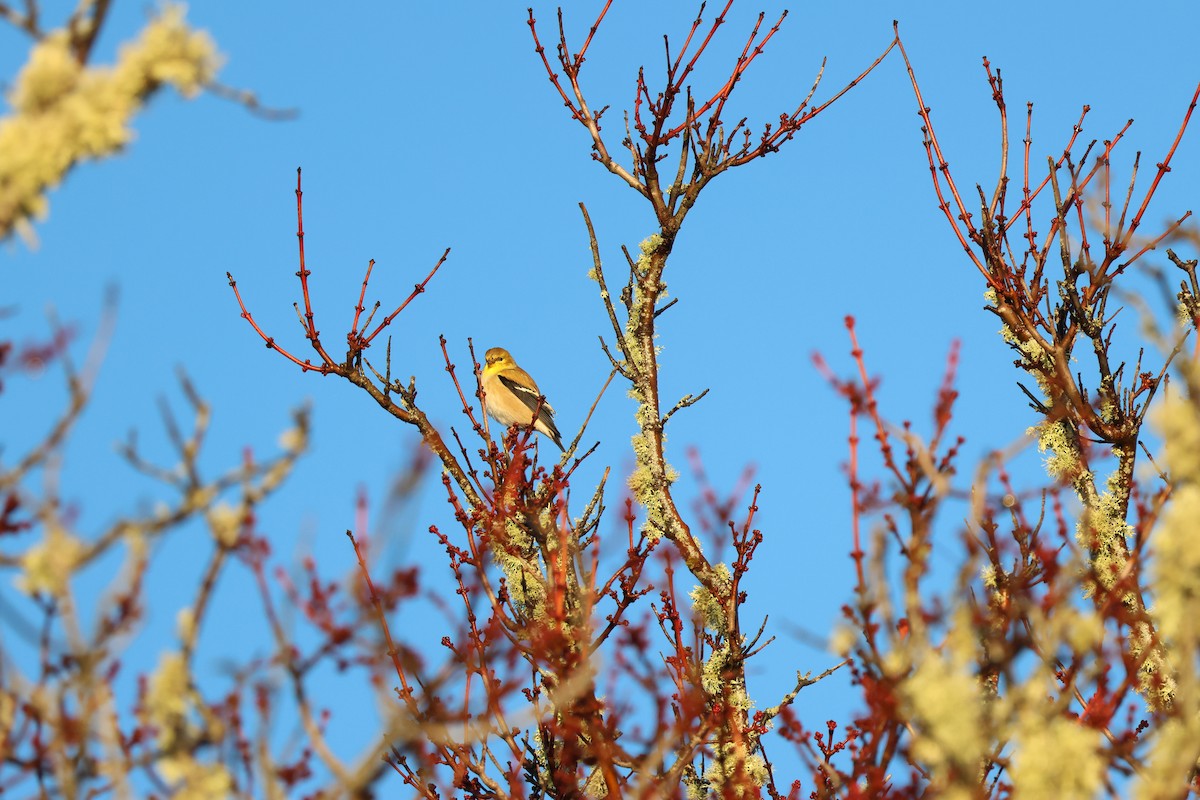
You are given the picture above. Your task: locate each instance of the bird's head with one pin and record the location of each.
(498, 358)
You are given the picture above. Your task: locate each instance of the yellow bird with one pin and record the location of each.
(512, 397)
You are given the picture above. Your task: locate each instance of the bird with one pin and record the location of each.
(513, 397)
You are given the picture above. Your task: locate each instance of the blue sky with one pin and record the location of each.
(432, 125)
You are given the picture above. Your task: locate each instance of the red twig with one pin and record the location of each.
(271, 345)
(418, 289)
(358, 309)
(1165, 165)
(312, 333)
(401, 673)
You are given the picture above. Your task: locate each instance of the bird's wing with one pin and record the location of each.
(526, 395)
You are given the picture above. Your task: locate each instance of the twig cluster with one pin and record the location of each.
(538, 592)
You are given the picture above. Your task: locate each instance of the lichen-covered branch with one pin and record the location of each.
(1045, 321)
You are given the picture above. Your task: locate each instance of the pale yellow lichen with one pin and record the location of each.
(1109, 410)
(712, 676)
(199, 497)
(48, 565)
(1183, 315)
(946, 701)
(1177, 567)
(8, 707)
(1155, 681)
(276, 475)
(1035, 355)
(1055, 757)
(64, 113)
(721, 682)
(294, 439)
(726, 764)
(167, 698)
(1058, 439)
(168, 51)
(193, 780)
(225, 523)
(185, 625)
(136, 539)
(115, 765)
(1082, 629)
(1103, 530)
(51, 73)
(648, 247)
(1172, 759)
(1178, 421)
(43, 700)
(166, 694)
(897, 662)
(645, 488)
(695, 787)
(708, 608)
(843, 639)
(652, 474)
(595, 786)
(526, 583)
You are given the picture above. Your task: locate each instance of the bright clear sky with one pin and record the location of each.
(431, 125)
